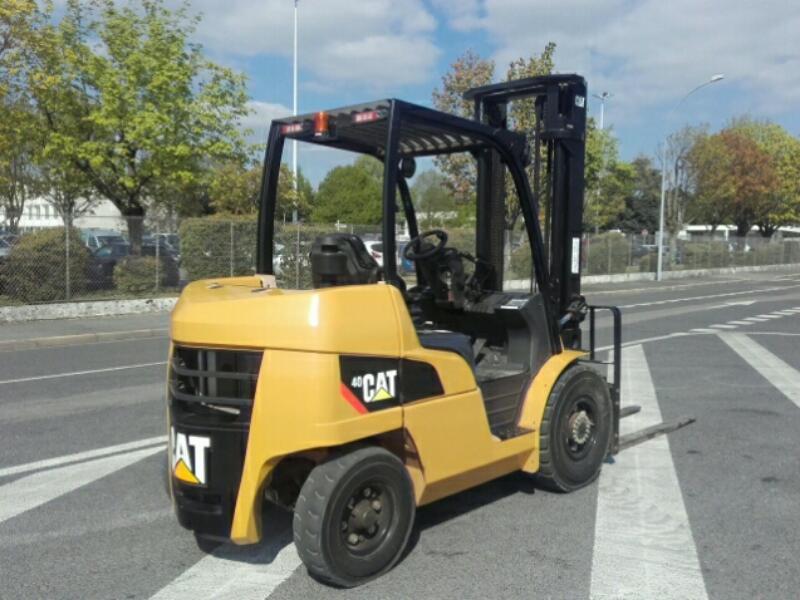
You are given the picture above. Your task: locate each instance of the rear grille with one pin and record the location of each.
(213, 384)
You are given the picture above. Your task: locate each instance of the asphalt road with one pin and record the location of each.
(712, 511)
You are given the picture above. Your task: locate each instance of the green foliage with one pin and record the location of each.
(132, 102)
(433, 201)
(35, 271)
(212, 247)
(137, 274)
(234, 189)
(607, 253)
(609, 181)
(641, 203)
(350, 194)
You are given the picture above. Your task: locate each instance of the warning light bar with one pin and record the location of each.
(291, 128)
(368, 116)
(321, 125)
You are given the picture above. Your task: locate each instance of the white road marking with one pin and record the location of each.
(669, 288)
(770, 316)
(76, 373)
(783, 376)
(755, 319)
(739, 323)
(656, 338)
(31, 491)
(643, 544)
(711, 296)
(231, 572)
(701, 330)
(79, 456)
(785, 333)
(718, 326)
(785, 313)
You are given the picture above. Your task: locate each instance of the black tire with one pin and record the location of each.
(206, 544)
(338, 501)
(571, 452)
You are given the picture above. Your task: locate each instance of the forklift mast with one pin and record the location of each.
(558, 141)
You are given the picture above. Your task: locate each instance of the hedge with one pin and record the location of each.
(607, 253)
(36, 267)
(212, 247)
(215, 247)
(137, 274)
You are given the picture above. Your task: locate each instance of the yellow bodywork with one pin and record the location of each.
(298, 407)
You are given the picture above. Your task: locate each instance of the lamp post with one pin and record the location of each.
(660, 244)
(294, 112)
(603, 97)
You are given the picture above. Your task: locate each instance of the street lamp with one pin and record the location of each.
(603, 97)
(660, 245)
(294, 112)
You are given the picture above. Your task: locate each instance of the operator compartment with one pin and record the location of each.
(210, 401)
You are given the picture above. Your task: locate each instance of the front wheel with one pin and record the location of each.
(353, 517)
(576, 430)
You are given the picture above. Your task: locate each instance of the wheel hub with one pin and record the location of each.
(362, 520)
(580, 427)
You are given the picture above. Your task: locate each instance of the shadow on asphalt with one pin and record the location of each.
(467, 501)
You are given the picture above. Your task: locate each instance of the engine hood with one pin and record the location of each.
(239, 312)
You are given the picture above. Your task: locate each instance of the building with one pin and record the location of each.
(38, 213)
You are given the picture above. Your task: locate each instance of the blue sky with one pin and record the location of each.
(647, 53)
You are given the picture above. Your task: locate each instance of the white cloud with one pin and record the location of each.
(649, 52)
(372, 42)
(260, 117)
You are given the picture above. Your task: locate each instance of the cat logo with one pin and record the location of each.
(189, 457)
(376, 386)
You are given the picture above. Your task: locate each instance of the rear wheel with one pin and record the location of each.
(576, 430)
(353, 517)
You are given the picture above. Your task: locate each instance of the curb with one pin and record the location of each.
(68, 340)
(74, 310)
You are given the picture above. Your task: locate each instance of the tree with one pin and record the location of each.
(434, 204)
(132, 103)
(469, 70)
(710, 162)
(752, 182)
(235, 187)
(350, 194)
(19, 150)
(19, 131)
(608, 181)
(641, 204)
(678, 193)
(783, 149)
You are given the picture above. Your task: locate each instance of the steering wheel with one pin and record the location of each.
(419, 249)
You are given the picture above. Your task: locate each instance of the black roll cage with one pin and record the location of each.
(405, 130)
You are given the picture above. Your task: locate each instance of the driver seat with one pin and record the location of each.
(342, 259)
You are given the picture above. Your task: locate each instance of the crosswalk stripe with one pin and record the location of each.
(770, 316)
(755, 319)
(739, 323)
(79, 456)
(243, 573)
(26, 493)
(718, 326)
(783, 376)
(703, 330)
(643, 544)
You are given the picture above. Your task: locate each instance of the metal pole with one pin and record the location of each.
(660, 242)
(232, 258)
(66, 255)
(294, 112)
(158, 256)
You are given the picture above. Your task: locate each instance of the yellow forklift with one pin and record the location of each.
(356, 402)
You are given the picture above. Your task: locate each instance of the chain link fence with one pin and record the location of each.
(101, 261)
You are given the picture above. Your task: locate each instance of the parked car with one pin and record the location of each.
(96, 238)
(104, 260)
